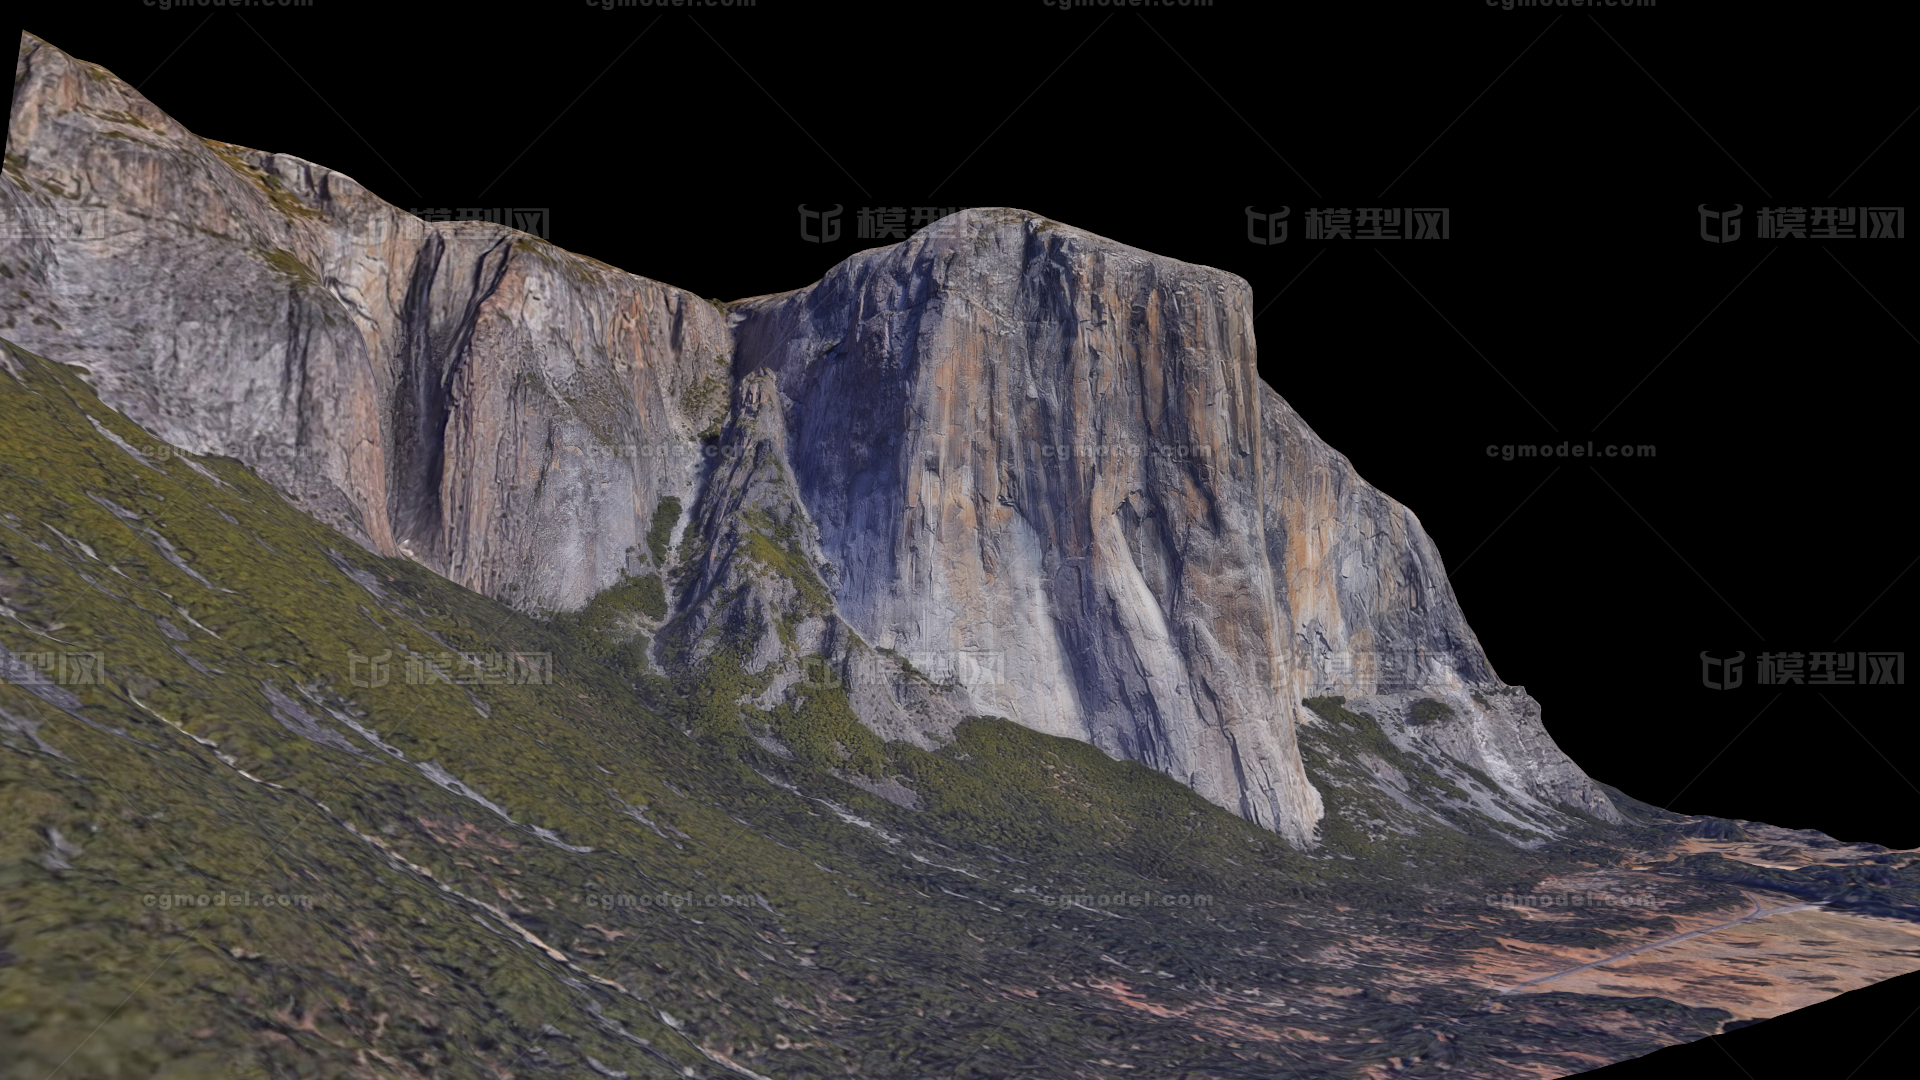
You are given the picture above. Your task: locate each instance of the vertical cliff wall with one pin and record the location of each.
(1035, 458)
(1006, 467)
(496, 407)
(1045, 466)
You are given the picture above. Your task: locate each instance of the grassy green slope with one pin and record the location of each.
(464, 861)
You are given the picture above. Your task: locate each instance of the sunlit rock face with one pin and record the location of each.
(1045, 465)
(1035, 457)
(504, 411)
(1035, 466)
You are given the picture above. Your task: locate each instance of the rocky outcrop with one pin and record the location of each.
(1044, 462)
(504, 411)
(1035, 458)
(1006, 467)
(1372, 618)
(754, 580)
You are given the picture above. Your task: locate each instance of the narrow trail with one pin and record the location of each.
(1757, 913)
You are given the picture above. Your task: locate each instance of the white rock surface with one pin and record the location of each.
(1037, 464)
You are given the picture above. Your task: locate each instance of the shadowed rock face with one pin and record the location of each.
(1035, 456)
(1038, 464)
(1045, 465)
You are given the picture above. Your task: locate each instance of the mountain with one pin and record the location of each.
(1018, 470)
(274, 805)
(425, 652)
(461, 392)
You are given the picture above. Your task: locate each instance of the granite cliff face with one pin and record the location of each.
(506, 412)
(1006, 467)
(1034, 456)
(1044, 465)
(1372, 618)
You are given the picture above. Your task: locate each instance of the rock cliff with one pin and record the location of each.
(504, 411)
(1034, 457)
(1005, 467)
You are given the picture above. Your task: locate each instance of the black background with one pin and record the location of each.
(1575, 299)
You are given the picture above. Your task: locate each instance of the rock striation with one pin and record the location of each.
(503, 411)
(1033, 468)
(1034, 457)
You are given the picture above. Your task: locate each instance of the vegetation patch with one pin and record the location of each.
(775, 544)
(906, 666)
(709, 395)
(820, 727)
(276, 192)
(660, 532)
(609, 628)
(289, 266)
(295, 743)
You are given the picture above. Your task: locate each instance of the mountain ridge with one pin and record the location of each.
(428, 652)
(1035, 466)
